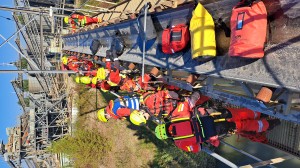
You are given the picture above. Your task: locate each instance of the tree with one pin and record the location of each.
(23, 63)
(20, 17)
(25, 85)
(26, 101)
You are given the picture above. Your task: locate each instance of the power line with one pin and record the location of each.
(6, 18)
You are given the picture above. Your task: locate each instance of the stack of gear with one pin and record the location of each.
(248, 29)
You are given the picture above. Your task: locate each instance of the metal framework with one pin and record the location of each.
(46, 118)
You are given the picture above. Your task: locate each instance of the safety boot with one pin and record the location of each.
(273, 123)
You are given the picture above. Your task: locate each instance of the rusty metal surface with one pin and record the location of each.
(279, 68)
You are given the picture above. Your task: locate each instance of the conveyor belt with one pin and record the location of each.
(279, 68)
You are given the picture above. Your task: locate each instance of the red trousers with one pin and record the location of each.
(248, 120)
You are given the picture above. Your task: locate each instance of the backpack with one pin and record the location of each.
(248, 29)
(175, 39)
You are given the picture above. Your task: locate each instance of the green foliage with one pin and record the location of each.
(21, 19)
(86, 147)
(83, 101)
(23, 63)
(25, 85)
(26, 101)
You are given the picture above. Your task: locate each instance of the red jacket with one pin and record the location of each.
(120, 112)
(130, 84)
(88, 20)
(114, 75)
(161, 101)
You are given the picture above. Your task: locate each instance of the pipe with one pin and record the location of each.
(144, 41)
(220, 158)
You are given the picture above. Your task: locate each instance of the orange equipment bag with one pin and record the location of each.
(248, 29)
(175, 38)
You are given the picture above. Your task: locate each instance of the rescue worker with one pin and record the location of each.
(137, 84)
(78, 65)
(119, 108)
(189, 133)
(80, 21)
(70, 63)
(89, 81)
(139, 116)
(166, 105)
(113, 77)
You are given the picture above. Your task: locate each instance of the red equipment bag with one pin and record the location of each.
(175, 38)
(248, 30)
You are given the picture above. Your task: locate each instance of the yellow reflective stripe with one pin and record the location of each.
(123, 76)
(84, 17)
(216, 113)
(111, 83)
(77, 16)
(219, 120)
(180, 119)
(189, 149)
(182, 137)
(179, 107)
(142, 99)
(201, 126)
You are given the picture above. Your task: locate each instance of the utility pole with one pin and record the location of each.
(41, 32)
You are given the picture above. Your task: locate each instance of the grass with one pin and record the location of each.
(86, 147)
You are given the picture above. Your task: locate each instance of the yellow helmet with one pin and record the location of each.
(64, 60)
(101, 115)
(77, 79)
(101, 73)
(137, 118)
(66, 19)
(85, 80)
(94, 80)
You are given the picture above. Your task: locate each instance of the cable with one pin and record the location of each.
(6, 18)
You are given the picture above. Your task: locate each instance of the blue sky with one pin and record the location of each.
(8, 99)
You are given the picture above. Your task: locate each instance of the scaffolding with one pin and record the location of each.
(47, 117)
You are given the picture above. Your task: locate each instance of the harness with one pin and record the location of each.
(161, 107)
